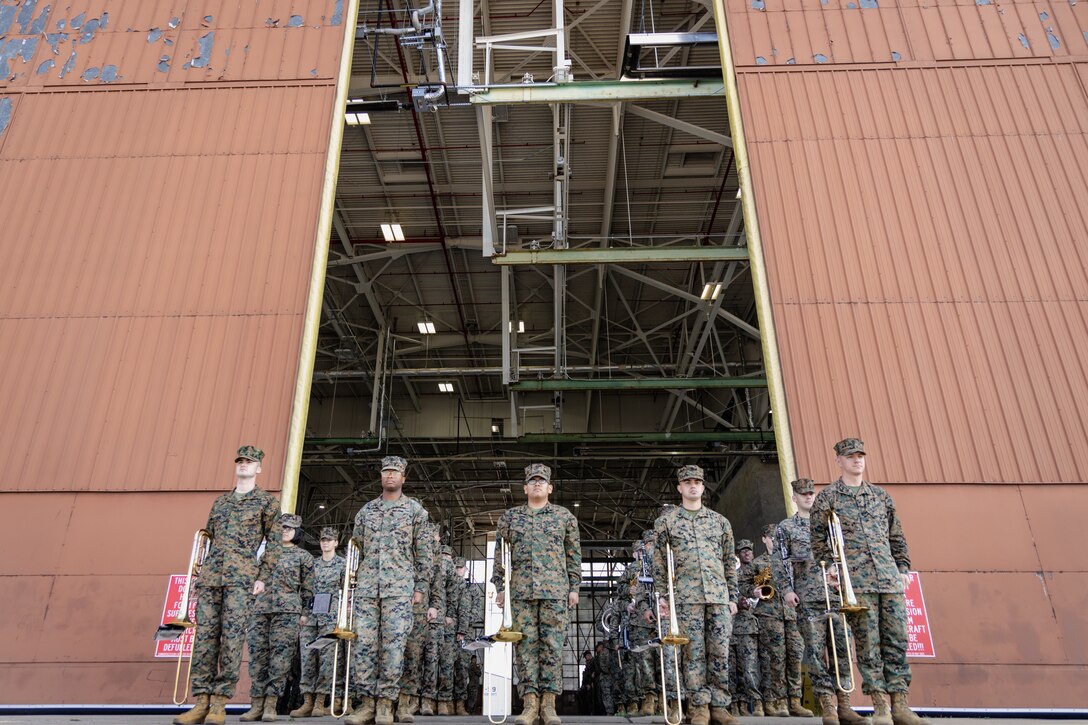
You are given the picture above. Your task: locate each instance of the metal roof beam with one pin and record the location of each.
(688, 128)
(623, 255)
(724, 436)
(640, 384)
(599, 91)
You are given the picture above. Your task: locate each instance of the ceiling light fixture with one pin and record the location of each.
(392, 232)
(445, 387)
(426, 327)
(357, 118)
(711, 291)
(521, 325)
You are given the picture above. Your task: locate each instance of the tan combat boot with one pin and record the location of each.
(364, 714)
(383, 715)
(531, 710)
(460, 709)
(722, 716)
(632, 708)
(306, 709)
(673, 711)
(757, 709)
(547, 709)
(847, 714)
(776, 708)
(882, 712)
(649, 705)
(196, 714)
(427, 708)
(269, 714)
(404, 708)
(901, 712)
(319, 705)
(256, 709)
(699, 714)
(828, 711)
(799, 710)
(444, 708)
(217, 710)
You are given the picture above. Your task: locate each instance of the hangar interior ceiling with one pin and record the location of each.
(412, 358)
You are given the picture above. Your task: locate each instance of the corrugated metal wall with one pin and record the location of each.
(161, 169)
(919, 175)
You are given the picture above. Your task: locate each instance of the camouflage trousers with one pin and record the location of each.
(780, 651)
(705, 659)
(461, 666)
(432, 660)
(221, 613)
(539, 654)
(447, 658)
(606, 686)
(412, 677)
(316, 664)
(377, 656)
(643, 664)
(821, 669)
(880, 635)
(744, 667)
(273, 641)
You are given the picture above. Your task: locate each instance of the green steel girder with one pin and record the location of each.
(640, 384)
(600, 91)
(725, 436)
(623, 255)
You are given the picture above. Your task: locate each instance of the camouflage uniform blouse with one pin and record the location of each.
(328, 579)
(876, 550)
(745, 621)
(545, 552)
(470, 609)
(291, 589)
(702, 550)
(238, 525)
(395, 556)
(808, 581)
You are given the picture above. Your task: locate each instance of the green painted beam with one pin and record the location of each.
(725, 436)
(601, 91)
(623, 255)
(640, 384)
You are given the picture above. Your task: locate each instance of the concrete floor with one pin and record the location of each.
(156, 719)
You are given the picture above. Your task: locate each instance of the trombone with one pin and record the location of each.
(674, 639)
(175, 628)
(506, 631)
(848, 602)
(345, 616)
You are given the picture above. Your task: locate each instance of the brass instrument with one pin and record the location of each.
(202, 542)
(763, 584)
(674, 639)
(610, 619)
(847, 599)
(506, 631)
(344, 630)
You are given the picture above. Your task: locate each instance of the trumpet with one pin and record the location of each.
(202, 542)
(763, 584)
(848, 602)
(672, 638)
(506, 631)
(344, 630)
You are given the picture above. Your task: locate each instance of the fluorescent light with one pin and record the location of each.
(521, 325)
(387, 232)
(425, 327)
(494, 428)
(445, 387)
(392, 232)
(357, 119)
(398, 233)
(738, 192)
(717, 291)
(576, 504)
(711, 291)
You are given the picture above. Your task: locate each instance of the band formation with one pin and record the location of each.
(701, 628)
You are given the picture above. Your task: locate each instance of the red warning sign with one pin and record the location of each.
(170, 608)
(919, 636)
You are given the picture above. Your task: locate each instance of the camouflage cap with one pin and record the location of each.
(328, 532)
(538, 470)
(849, 445)
(769, 529)
(249, 453)
(292, 520)
(744, 544)
(394, 463)
(648, 535)
(447, 550)
(803, 485)
(458, 562)
(685, 472)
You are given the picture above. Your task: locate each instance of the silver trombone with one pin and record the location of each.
(506, 633)
(344, 630)
(848, 601)
(672, 638)
(176, 627)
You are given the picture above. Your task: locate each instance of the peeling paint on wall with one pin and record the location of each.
(820, 58)
(869, 4)
(13, 48)
(109, 74)
(204, 44)
(153, 35)
(982, 2)
(5, 114)
(337, 13)
(54, 40)
(164, 64)
(90, 74)
(759, 5)
(1023, 41)
(760, 60)
(896, 55)
(1052, 39)
(46, 65)
(68, 65)
(295, 21)
(92, 26)
(24, 15)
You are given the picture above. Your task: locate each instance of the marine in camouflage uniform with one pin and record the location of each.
(275, 622)
(780, 645)
(643, 627)
(239, 521)
(744, 647)
(468, 613)
(315, 665)
(705, 591)
(802, 582)
(394, 573)
(414, 675)
(879, 561)
(444, 638)
(546, 558)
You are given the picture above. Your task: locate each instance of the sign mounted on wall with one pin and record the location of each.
(184, 643)
(919, 636)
